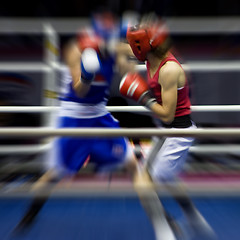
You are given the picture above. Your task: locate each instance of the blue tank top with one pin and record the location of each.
(99, 90)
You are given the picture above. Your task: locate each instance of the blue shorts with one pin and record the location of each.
(71, 152)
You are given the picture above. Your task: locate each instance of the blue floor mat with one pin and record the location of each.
(120, 218)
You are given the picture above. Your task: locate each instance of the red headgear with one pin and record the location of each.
(88, 39)
(143, 39)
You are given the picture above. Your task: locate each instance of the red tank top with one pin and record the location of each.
(183, 101)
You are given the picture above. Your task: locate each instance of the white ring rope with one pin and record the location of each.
(105, 188)
(206, 66)
(177, 25)
(139, 109)
(25, 149)
(115, 189)
(199, 66)
(24, 67)
(40, 148)
(112, 132)
(203, 149)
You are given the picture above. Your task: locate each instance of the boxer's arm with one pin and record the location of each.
(82, 66)
(72, 57)
(168, 79)
(134, 86)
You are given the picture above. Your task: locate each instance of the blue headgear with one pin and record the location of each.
(104, 25)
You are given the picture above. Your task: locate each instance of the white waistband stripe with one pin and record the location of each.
(80, 110)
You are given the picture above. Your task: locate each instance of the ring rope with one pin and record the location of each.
(39, 148)
(202, 66)
(177, 25)
(115, 189)
(11, 132)
(139, 109)
(203, 149)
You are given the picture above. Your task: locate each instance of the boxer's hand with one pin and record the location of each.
(134, 87)
(89, 65)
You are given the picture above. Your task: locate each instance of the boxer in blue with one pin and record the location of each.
(83, 97)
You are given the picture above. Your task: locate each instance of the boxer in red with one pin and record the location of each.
(166, 94)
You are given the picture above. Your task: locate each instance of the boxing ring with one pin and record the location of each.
(93, 200)
(77, 207)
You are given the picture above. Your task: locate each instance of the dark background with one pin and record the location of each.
(80, 8)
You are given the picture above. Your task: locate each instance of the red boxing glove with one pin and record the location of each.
(134, 86)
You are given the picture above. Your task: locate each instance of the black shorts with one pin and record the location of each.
(180, 122)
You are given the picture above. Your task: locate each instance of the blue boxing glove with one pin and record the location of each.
(89, 65)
